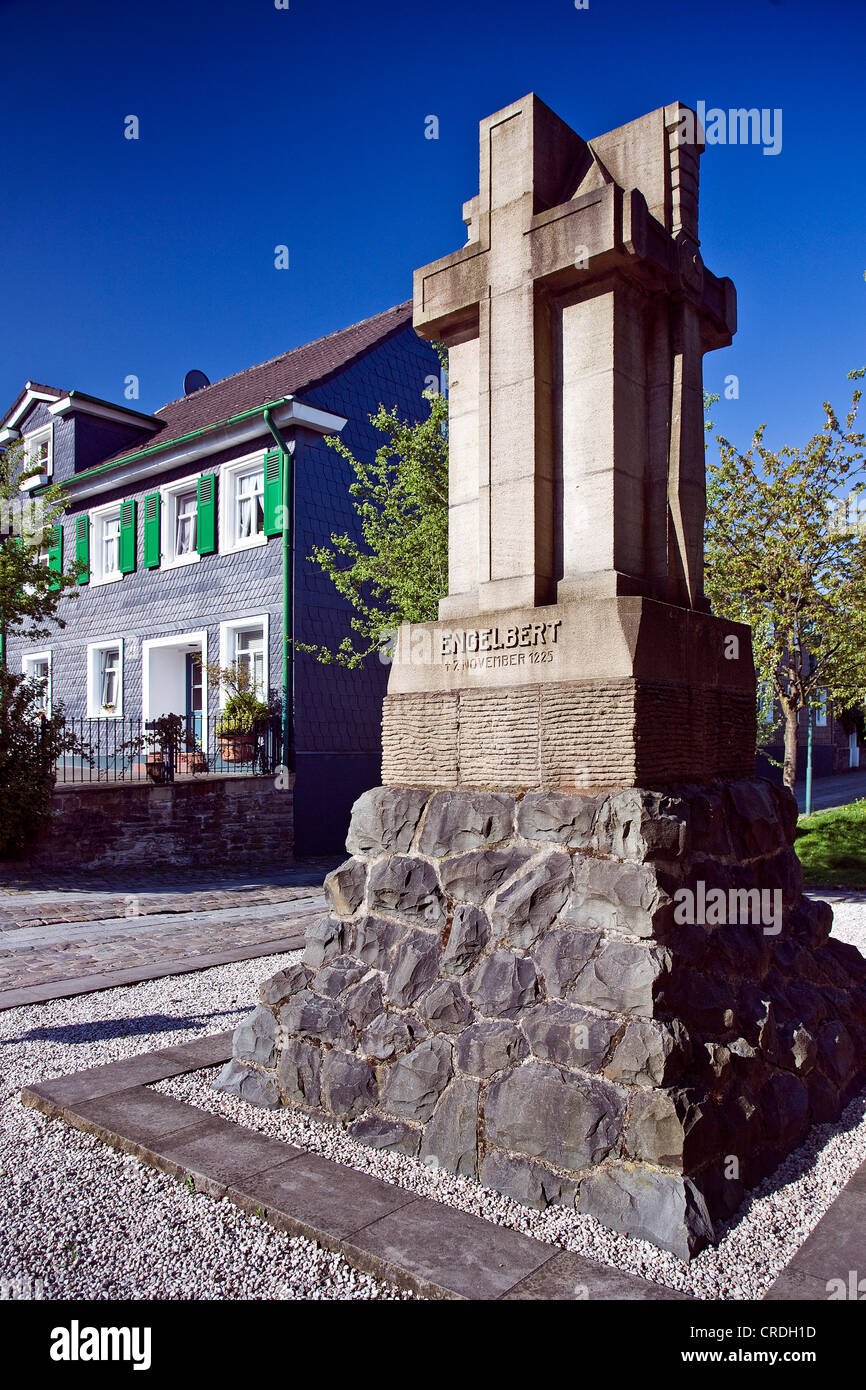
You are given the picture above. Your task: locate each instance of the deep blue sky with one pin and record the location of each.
(306, 127)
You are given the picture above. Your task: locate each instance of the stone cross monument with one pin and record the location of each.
(576, 318)
(569, 954)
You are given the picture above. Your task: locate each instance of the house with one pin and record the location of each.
(177, 518)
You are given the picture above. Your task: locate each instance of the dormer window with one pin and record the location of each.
(38, 453)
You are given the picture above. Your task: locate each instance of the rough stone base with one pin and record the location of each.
(505, 987)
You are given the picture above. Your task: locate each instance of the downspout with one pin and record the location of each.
(287, 449)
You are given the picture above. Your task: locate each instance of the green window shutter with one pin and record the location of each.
(206, 523)
(55, 550)
(82, 545)
(152, 505)
(127, 537)
(273, 498)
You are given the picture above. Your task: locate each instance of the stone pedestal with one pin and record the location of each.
(607, 692)
(509, 988)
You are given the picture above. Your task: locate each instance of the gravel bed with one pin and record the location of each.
(849, 919)
(778, 1216)
(90, 1223)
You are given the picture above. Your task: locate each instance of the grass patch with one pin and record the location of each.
(832, 846)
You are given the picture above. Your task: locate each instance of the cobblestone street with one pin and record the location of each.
(60, 929)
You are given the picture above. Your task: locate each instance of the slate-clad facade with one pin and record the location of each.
(229, 598)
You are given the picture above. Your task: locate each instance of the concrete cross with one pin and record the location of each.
(576, 317)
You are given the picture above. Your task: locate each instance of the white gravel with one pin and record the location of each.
(95, 1224)
(849, 917)
(79, 1221)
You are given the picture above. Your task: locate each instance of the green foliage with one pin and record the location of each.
(398, 571)
(243, 714)
(243, 711)
(832, 847)
(778, 560)
(30, 744)
(29, 592)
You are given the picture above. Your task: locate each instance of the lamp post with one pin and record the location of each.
(809, 761)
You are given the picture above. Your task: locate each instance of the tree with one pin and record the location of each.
(398, 570)
(30, 591)
(778, 559)
(30, 740)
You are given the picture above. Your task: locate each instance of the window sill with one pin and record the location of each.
(251, 544)
(180, 561)
(105, 579)
(104, 714)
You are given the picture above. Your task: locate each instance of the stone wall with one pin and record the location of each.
(567, 735)
(504, 988)
(198, 822)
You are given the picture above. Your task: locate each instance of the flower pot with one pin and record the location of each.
(237, 748)
(192, 762)
(156, 768)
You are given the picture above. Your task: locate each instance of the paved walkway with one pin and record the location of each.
(137, 925)
(833, 791)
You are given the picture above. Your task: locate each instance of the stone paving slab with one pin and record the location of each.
(835, 1249)
(418, 1244)
(216, 1156)
(448, 1252)
(569, 1277)
(313, 1196)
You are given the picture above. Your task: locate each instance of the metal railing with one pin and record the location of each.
(131, 749)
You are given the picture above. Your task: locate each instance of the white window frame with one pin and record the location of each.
(228, 634)
(27, 658)
(31, 438)
(229, 474)
(821, 709)
(98, 517)
(176, 639)
(94, 673)
(169, 494)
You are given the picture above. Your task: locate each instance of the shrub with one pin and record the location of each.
(30, 744)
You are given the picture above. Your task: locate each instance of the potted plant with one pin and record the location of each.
(168, 746)
(244, 715)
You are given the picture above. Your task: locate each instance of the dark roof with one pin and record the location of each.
(289, 374)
